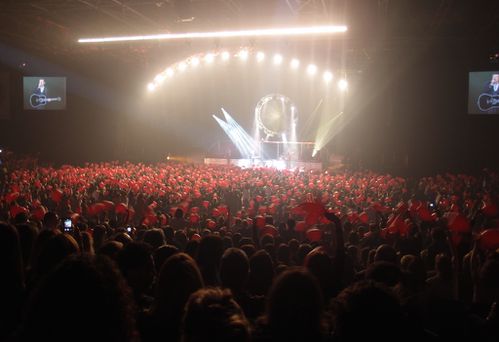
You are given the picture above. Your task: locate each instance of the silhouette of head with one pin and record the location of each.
(82, 290)
(213, 315)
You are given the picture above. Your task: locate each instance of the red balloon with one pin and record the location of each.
(364, 218)
(108, 205)
(153, 219)
(39, 213)
(312, 211)
(121, 208)
(260, 222)
(11, 197)
(17, 209)
(300, 226)
(489, 239)
(211, 224)
(96, 209)
(424, 214)
(196, 237)
(489, 209)
(269, 229)
(194, 218)
(56, 195)
(458, 222)
(399, 226)
(314, 235)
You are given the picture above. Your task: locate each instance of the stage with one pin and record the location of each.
(278, 164)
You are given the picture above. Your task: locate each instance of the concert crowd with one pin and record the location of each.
(188, 252)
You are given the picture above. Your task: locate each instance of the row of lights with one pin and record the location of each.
(242, 55)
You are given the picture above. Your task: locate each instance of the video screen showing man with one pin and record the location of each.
(493, 86)
(41, 90)
(44, 93)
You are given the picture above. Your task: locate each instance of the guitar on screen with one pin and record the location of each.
(487, 102)
(41, 100)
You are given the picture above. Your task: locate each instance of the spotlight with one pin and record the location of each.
(182, 66)
(312, 69)
(328, 76)
(343, 84)
(295, 63)
(277, 59)
(260, 56)
(243, 54)
(209, 58)
(169, 72)
(225, 56)
(159, 78)
(151, 87)
(195, 61)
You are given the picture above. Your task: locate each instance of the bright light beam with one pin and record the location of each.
(325, 133)
(244, 138)
(276, 32)
(239, 137)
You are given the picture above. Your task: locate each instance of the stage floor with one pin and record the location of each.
(278, 164)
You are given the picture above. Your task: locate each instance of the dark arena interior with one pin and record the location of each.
(249, 170)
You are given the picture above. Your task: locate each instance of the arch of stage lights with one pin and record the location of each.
(244, 54)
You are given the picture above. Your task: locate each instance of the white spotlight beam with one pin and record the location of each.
(245, 139)
(231, 134)
(275, 32)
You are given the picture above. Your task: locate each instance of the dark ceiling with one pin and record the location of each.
(51, 27)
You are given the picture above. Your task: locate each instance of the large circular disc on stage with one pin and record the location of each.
(274, 114)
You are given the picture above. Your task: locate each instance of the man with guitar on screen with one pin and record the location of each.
(39, 99)
(41, 89)
(488, 101)
(493, 86)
